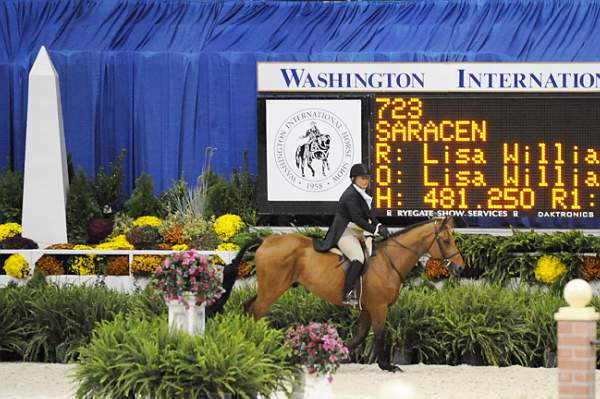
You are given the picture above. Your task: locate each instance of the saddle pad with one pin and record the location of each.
(336, 251)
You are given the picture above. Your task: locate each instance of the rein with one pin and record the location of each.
(436, 239)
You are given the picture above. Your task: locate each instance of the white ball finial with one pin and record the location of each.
(578, 293)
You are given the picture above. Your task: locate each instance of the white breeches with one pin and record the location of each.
(349, 243)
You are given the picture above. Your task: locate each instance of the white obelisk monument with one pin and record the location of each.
(46, 180)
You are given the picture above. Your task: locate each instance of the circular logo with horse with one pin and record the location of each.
(314, 150)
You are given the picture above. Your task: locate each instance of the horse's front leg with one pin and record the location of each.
(378, 317)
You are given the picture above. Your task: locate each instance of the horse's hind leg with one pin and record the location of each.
(264, 300)
(364, 325)
(308, 163)
(270, 286)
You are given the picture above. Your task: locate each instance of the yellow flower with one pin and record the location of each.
(180, 247)
(549, 269)
(9, 230)
(146, 263)
(147, 221)
(84, 264)
(118, 242)
(226, 246)
(16, 266)
(227, 226)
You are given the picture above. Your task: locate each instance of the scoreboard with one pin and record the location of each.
(486, 155)
(476, 140)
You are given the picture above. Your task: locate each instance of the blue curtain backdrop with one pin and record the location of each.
(166, 78)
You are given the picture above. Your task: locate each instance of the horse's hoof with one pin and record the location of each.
(390, 367)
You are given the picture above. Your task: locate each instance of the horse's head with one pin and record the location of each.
(444, 247)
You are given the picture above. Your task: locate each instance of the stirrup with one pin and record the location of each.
(350, 298)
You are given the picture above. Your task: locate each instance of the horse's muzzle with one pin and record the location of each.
(455, 270)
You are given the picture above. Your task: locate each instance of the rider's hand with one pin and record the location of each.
(384, 232)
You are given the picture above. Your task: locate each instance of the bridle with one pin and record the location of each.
(446, 259)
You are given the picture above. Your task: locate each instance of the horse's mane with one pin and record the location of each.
(411, 227)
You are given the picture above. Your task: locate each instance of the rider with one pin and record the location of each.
(312, 133)
(352, 219)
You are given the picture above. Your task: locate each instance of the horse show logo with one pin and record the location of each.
(314, 150)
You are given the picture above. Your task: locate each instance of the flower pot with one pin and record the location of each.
(188, 316)
(403, 355)
(471, 358)
(312, 386)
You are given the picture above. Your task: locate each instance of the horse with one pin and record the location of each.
(314, 149)
(282, 260)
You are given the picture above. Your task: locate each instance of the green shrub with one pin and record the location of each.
(108, 188)
(81, 208)
(173, 200)
(498, 259)
(11, 196)
(143, 202)
(139, 356)
(502, 327)
(237, 196)
(12, 328)
(43, 322)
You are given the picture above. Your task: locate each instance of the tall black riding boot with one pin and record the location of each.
(349, 295)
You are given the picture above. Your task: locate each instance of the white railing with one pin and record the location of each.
(32, 255)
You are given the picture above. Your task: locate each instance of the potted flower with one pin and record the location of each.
(188, 283)
(319, 349)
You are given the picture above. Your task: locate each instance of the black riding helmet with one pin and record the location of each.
(359, 169)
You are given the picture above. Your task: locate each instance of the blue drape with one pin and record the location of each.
(166, 78)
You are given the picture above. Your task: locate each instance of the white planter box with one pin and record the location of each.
(5, 280)
(313, 387)
(190, 318)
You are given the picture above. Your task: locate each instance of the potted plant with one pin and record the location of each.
(318, 348)
(188, 283)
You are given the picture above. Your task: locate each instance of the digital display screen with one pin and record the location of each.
(486, 155)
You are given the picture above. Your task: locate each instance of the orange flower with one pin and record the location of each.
(174, 235)
(590, 270)
(117, 266)
(434, 268)
(49, 265)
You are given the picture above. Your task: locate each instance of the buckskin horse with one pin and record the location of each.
(282, 260)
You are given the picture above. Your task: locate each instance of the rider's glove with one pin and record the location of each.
(384, 232)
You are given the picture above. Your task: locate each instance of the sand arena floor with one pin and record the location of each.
(353, 381)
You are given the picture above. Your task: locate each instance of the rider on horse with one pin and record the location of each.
(312, 133)
(352, 219)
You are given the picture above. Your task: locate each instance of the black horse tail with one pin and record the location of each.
(230, 276)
